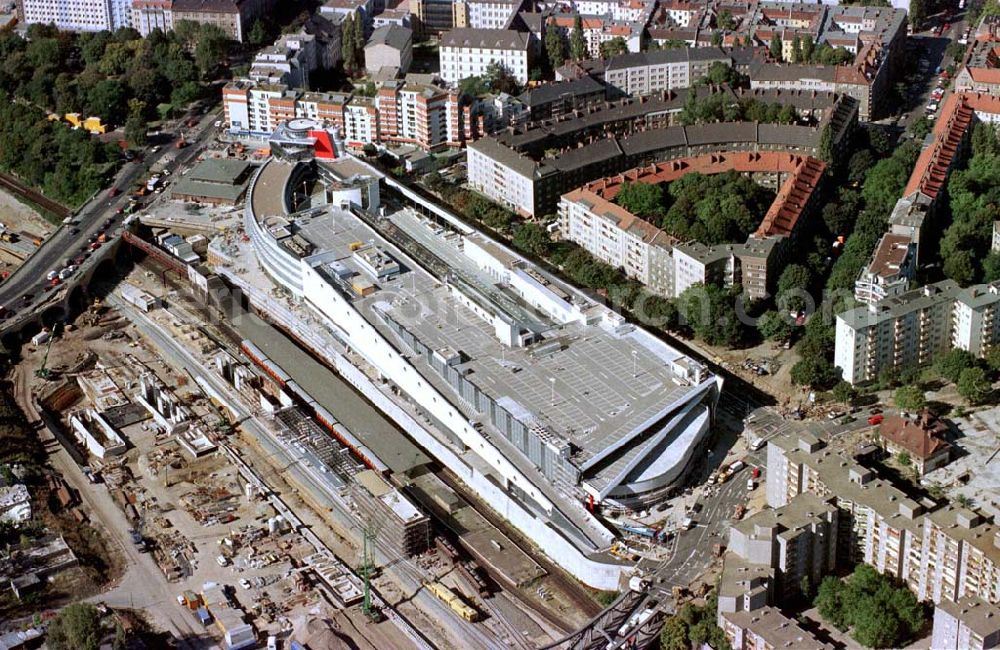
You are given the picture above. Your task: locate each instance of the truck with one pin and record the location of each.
(152, 182)
(736, 466)
(638, 584)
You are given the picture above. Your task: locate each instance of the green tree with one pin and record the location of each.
(500, 79)
(135, 125)
(830, 604)
(992, 358)
(796, 49)
(775, 48)
(921, 128)
(909, 398)
(577, 43)
(774, 326)
(903, 458)
(674, 635)
(719, 73)
(951, 364)
(257, 35)
(717, 39)
(973, 385)
(918, 13)
(613, 47)
(641, 199)
(77, 627)
(347, 51)
(108, 99)
(212, 49)
(817, 372)
(710, 312)
(555, 49)
(726, 20)
(808, 49)
(843, 392)
(792, 283)
(532, 238)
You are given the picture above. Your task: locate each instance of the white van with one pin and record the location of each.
(222, 560)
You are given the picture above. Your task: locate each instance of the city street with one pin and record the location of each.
(30, 278)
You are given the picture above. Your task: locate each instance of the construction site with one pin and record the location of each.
(264, 513)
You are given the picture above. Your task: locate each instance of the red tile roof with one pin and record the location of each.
(920, 436)
(804, 173)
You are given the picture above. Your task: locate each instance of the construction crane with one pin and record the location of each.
(224, 426)
(43, 370)
(367, 570)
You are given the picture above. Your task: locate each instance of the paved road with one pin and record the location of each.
(30, 277)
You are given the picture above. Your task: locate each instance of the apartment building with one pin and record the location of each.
(893, 267)
(468, 52)
(596, 30)
(486, 14)
(233, 17)
(147, 15)
(921, 438)
(910, 329)
(77, 15)
(980, 70)
(768, 628)
(969, 624)
(589, 219)
(412, 113)
(798, 540)
(389, 47)
(619, 238)
(905, 331)
(946, 554)
(289, 61)
(432, 17)
(644, 73)
(976, 327)
(555, 156)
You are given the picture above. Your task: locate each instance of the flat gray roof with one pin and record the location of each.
(598, 402)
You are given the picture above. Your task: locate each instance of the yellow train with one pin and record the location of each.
(453, 600)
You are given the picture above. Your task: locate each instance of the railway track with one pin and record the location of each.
(10, 183)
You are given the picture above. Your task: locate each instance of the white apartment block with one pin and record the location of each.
(904, 331)
(644, 73)
(505, 176)
(617, 237)
(360, 122)
(486, 14)
(78, 15)
(945, 555)
(910, 329)
(469, 52)
(893, 265)
(976, 327)
(148, 15)
(969, 624)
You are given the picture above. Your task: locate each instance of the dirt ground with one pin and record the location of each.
(17, 216)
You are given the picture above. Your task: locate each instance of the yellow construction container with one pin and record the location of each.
(356, 245)
(93, 124)
(453, 600)
(72, 118)
(362, 287)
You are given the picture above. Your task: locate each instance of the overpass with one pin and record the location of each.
(58, 303)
